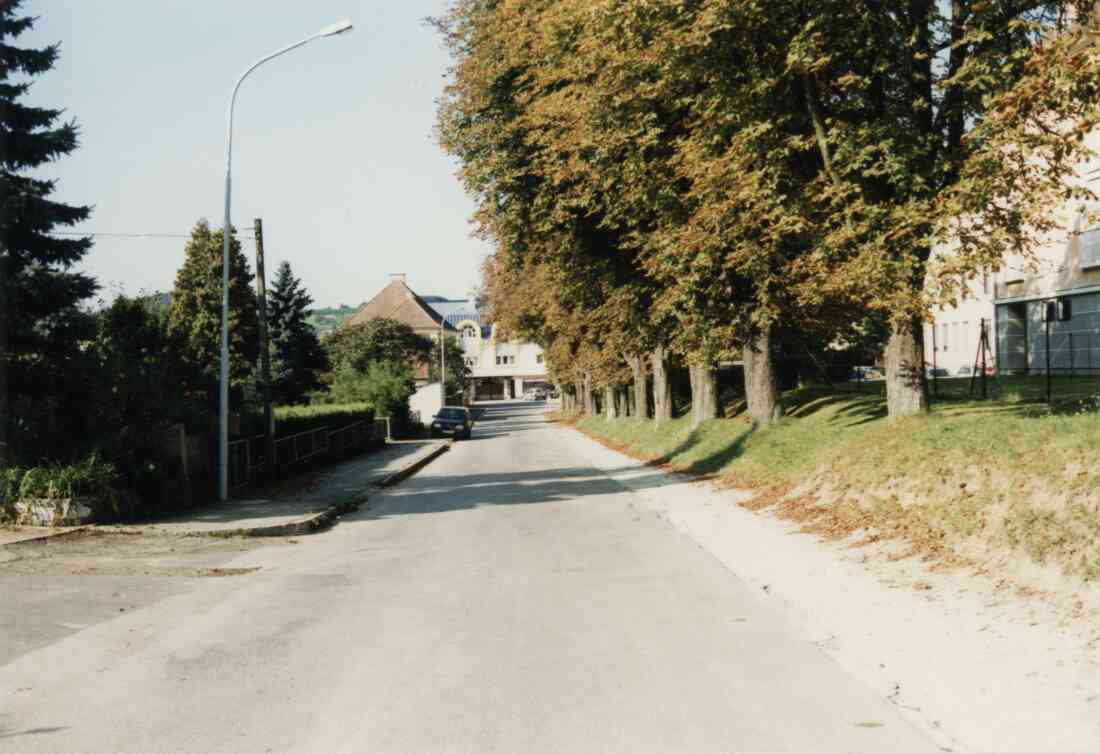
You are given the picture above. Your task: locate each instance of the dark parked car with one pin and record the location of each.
(452, 420)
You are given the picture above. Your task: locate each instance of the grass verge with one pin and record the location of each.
(969, 480)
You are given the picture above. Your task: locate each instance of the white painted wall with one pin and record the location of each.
(427, 400)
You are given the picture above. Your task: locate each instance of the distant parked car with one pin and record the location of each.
(534, 394)
(452, 420)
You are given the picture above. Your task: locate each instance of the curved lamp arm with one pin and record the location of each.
(223, 386)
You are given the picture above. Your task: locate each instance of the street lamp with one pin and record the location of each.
(223, 387)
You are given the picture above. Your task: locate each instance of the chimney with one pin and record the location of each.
(397, 276)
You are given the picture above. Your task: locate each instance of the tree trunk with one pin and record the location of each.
(589, 401)
(704, 393)
(641, 403)
(761, 385)
(609, 403)
(906, 386)
(662, 388)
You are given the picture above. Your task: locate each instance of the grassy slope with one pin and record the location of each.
(968, 478)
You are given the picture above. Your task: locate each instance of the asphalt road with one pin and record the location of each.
(508, 598)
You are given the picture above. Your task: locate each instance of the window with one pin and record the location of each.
(1089, 248)
(469, 331)
(505, 360)
(944, 342)
(538, 359)
(470, 361)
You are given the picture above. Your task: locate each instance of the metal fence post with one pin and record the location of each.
(1048, 350)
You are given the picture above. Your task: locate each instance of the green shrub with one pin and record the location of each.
(90, 478)
(388, 388)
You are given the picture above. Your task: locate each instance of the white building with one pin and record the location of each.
(500, 369)
(1046, 310)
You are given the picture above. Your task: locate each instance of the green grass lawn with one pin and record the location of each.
(1011, 472)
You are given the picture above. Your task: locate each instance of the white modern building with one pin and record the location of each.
(1044, 311)
(500, 368)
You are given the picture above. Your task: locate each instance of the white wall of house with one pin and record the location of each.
(951, 340)
(1065, 265)
(427, 400)
(489, 357)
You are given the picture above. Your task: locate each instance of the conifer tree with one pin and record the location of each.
(39, 294)
(297, 358)
(194, 319)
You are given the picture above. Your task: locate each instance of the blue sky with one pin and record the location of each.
(333, 142)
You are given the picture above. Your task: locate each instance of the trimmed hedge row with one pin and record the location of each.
(290, 420)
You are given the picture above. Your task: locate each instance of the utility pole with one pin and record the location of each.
(443, 360)
(265, 348)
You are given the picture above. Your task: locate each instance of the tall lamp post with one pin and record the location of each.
(223, 381)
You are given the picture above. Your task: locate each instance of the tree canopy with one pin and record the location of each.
(40, 322)
(297, 358)
(719, 178)
(195, 315)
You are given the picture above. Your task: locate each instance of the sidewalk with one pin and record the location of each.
(301, 504)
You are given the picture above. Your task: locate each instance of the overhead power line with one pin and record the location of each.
(131, 235)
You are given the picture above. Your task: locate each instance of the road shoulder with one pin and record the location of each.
(975, 666)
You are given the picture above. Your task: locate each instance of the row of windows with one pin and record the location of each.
(502, 361)
(952, 336)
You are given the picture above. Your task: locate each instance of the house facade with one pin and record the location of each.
(1045, 312)
(500, 368)
(399, 302)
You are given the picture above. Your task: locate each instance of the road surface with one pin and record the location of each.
(508, 598)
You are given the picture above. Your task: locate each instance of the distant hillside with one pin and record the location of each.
(327, 320)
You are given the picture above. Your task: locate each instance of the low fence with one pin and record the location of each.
(248, 455)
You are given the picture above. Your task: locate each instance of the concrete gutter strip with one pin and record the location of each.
(308, 524)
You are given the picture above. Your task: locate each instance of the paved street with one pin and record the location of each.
(508, 598)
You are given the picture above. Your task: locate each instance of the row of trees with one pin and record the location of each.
(713, 180)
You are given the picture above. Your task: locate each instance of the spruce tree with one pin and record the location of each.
(40, 323)
(297, 358)
(195, 315)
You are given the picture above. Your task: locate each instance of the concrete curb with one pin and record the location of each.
(308, 524)
(323, 519)
(48, 535)
(415, 466)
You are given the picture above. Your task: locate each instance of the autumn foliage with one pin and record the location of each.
(711, 180)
